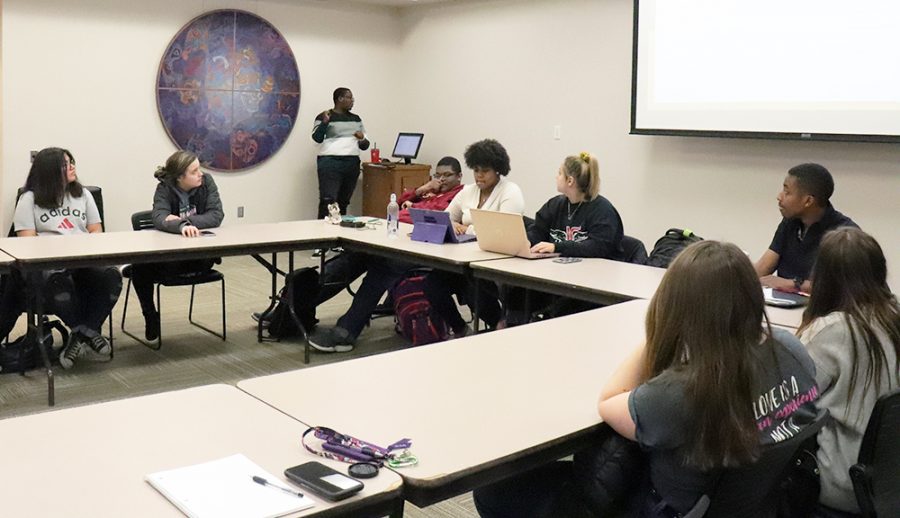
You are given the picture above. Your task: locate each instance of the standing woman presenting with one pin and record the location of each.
(341, 136)
(55, 204)
(185, 202)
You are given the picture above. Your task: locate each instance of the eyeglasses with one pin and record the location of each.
(445, 176)
(69, 163)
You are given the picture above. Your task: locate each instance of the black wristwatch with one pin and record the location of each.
(798, 283)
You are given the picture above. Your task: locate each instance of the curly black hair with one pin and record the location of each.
(488, 153)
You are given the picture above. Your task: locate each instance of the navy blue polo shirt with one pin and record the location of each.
(797, 252)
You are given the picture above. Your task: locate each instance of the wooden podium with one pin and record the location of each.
(380, 180)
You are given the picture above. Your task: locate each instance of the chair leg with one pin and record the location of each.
(129, 333)
(201, 326)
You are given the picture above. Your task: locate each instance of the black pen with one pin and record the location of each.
(263, 482)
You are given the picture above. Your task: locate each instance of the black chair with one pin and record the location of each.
(749, 491)
(876, 474)
(142, 221)
(633, 250)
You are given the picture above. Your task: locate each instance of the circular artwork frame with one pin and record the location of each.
(228, 89)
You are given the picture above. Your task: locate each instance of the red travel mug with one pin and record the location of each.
(376, 155)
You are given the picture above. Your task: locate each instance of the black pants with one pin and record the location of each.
(340, 271)
(549, 491)
(440, 287)
(381, 276)
(337, 180)
(144, 276)
(12, 301)
(82, 298)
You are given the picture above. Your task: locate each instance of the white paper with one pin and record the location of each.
(225, 488)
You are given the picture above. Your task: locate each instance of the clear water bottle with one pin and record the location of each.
(393, 217)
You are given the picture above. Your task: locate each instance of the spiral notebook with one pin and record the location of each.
(225, 488)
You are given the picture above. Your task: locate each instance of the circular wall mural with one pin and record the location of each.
(228, 89)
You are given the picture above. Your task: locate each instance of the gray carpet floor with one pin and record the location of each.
(190, 357)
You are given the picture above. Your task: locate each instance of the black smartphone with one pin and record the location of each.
(323, 481)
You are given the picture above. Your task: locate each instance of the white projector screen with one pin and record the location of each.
(802, 69)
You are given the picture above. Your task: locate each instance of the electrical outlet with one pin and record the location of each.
(33, 154)
(241, 211)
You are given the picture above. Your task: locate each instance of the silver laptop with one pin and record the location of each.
(503, 233)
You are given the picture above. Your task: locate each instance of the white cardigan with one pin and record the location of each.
(506, 197)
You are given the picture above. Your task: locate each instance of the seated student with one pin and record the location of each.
(704, 325)
(185, 202)
(381, 274)
(851, 328)
(55, 203)
(807, 216)
(437, 193)
(579, 222)
(489, 162)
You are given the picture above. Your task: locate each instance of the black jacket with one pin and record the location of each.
(205, 199)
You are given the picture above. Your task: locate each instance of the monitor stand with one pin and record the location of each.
(407, 160)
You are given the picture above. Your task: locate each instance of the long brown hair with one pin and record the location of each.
(705, 320)
(176, 165)
(47, 178)
(850, 275)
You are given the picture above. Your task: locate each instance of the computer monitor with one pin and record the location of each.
(407, 146)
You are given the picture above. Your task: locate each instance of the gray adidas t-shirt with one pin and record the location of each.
(72, 217)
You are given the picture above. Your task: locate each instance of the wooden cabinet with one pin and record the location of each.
(380, 180)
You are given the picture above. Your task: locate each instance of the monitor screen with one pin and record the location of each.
(407, 146)
(805, 69)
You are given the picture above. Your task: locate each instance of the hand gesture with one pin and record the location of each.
(459, 228)
(172, 217)
(433, 185)
(326, 116)
(359, 135)
(407, 204)
(543, 248)
(778, 283)
(190, 231)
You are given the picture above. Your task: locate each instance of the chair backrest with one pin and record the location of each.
(633, 250)
(96, 193)
(748, 491)
(876, 477)
(142, 220)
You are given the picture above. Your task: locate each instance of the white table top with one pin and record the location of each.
(131, 246)
(785, 317)
(468, 403)
(591, 279)
(91, 461)
(376, 241)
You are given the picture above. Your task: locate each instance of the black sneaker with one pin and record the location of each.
(98, 348)
(257, 316)
(331, 340)
(73, 350)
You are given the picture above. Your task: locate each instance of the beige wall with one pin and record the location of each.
(514, 69)
(81, 75)
(459, 71)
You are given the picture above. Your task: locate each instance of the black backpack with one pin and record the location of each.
(670, 245)
(22, 354)
(303, 286)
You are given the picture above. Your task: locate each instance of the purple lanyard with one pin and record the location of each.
(346, 448)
